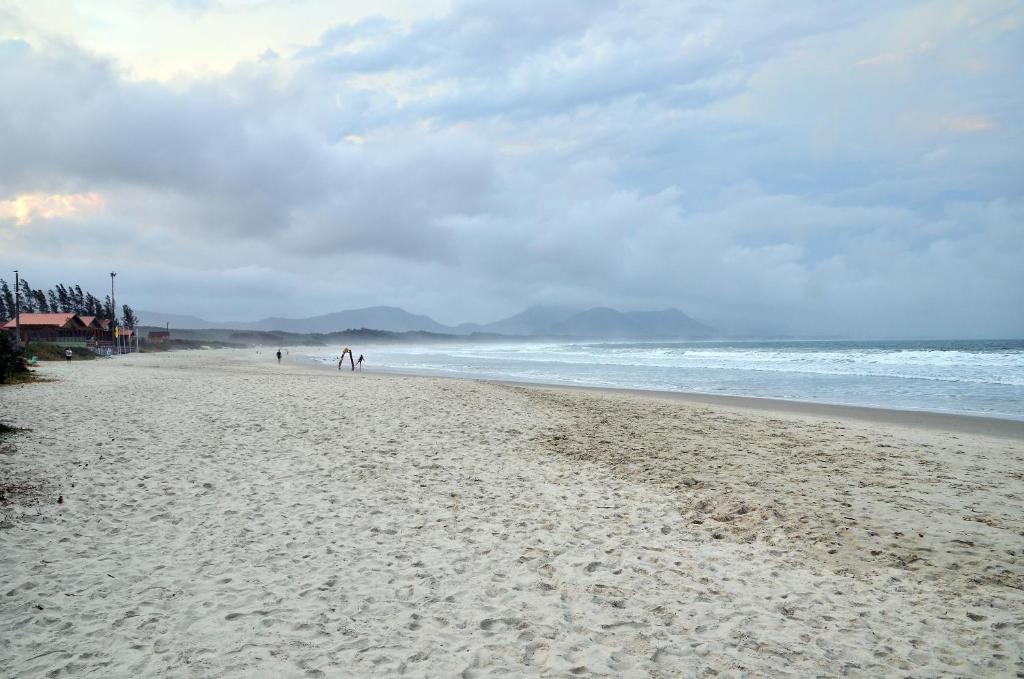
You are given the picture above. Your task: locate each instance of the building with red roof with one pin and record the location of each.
(55, 328)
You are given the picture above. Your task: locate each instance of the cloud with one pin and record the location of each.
(758, 168)
(26, 208)
(968, 124)
(891, 58)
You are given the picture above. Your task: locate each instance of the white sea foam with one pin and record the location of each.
(978, 377)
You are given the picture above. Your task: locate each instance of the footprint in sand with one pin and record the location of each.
(501, 624)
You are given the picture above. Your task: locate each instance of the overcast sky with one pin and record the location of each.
(797, 167)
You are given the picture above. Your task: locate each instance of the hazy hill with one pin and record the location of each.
(160, 319)
(537, 320)
(391, 319)
(608, 323)
(549, 321)
(387, 318)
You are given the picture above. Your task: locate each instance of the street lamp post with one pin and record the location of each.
(17, 305)
(113, 312)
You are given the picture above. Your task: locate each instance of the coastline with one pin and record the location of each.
(929, 419)
(925, 419)
(226, 515)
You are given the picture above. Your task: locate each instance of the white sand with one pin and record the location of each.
(225, 517)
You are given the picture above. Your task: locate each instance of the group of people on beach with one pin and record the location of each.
(341, 360)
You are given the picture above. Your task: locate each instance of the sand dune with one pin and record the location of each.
(226, 516)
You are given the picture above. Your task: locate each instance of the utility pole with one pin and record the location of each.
(113, 312)
(17, 305)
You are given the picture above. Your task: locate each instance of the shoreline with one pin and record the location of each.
(924, 419)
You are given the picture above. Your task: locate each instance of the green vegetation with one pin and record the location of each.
(55, 352)
(13, 364)
(128, 316)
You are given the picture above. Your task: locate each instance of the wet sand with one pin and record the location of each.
(228, 516)
(946, 422)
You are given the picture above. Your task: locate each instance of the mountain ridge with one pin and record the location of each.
(614, 324)
(535, 321)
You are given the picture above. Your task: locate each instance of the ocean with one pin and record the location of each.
(975, 377)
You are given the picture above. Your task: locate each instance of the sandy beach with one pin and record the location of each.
(224, 515)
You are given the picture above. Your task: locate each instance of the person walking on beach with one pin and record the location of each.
(360, 362)
(67, 354)
(278, 355)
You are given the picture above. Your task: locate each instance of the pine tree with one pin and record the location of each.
(8, 296)
(41, 304)
(54, 302)
(79, 300)
(90, 304)
(129, 316)
(27, 300)
(108, 308)
(3, 308)
(64, 298)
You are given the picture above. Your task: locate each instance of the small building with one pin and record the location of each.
(99, 328)
(64, 329)
(158, 336)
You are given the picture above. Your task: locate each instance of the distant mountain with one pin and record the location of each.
(158, 318)
(550, 321)
(391, 319)
(537, 320)
(602, 322)
(387, 318)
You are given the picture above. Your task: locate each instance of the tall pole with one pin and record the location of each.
(113, 312)
(17, 305)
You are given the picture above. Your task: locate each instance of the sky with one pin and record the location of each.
(805, 168)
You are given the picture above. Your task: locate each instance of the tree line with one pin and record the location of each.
(68, 299)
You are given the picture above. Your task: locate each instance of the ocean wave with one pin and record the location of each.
(980, 377)
(1006, 369)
